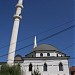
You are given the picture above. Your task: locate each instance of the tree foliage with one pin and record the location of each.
(13, 70)
(36, 72)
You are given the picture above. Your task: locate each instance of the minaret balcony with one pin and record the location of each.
(17, 16)
(19, 5)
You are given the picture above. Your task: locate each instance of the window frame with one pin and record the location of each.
(60, 66)
(30, 67)
(48, 54)
(41, 54)
(45, 67)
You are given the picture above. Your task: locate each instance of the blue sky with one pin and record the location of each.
(38, 16)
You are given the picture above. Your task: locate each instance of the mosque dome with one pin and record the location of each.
(45, 47)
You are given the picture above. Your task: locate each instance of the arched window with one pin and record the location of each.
(48, 54)
(60, 67)
(41, 54)
(57, 55)
(30, 67)
(45, 67)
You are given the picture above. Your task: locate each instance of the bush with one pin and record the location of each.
(13, 70)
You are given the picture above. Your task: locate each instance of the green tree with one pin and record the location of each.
(13, 70)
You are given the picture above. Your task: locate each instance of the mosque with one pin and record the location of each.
(45, 58)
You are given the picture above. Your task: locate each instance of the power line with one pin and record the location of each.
(68, 46)
(39, 33)
(72, 58)
(66, 49)
(57, 33)
(43, 39)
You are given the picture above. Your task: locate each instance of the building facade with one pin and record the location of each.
(47, 59)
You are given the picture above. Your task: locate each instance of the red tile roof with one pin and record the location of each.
(72, 68)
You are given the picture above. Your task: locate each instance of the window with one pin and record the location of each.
(57, 55)
(45, 67)
(32, 55)
(61, 56)
(30, 67)
(48, 54)
(60, 67)
(41, 54)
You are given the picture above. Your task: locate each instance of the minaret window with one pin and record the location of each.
(60, 67)
(45, 67)
(30, 67)
(48, 54)
(41, 54)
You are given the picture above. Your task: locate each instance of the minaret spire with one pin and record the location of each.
(35, 42)
(17, 18)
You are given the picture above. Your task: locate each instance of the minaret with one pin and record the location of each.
(17, 18)
(35, 43)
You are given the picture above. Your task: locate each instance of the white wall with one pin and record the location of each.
(52, 69)
(37, 54)
(53, 54)
(45, 54)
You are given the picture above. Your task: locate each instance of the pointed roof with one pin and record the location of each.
(35, 42)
